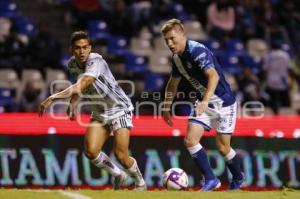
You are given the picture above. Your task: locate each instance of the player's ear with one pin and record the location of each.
(70, 49)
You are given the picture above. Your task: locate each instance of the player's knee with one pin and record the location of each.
(188, 142)
(121, 156)
(224, 149)
(91, 153)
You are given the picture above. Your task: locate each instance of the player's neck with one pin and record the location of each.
(184, 49)
(80, 64)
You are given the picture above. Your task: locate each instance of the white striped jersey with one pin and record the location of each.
(106, 97)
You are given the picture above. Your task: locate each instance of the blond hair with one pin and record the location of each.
(170, 24)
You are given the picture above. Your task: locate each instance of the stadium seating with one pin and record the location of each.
(194, 30)
(235, 46)
(253, 62)
(161, 47)
(5, 26)
(159, 63)
(140, 55)
(7, 101)
(213, 45)
(140, 46)
(98, 30)
(287, 111)
(135, 63)
(231, 63)
(35, 77)
(257, 48)
(287, 48)
(117, 45)
(25, 26)
(9, 79)
(8, 8)
(154, 82)
(52, 74)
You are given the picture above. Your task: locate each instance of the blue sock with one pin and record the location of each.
(201, 159)
(233, 165)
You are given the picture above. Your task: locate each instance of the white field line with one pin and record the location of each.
(73, 195)
(65, 193)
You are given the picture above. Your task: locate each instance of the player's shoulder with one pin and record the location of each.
(197, 50)
(94, 56)
(94, 59)
(194, 46)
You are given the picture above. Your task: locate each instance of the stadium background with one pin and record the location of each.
(47, 152)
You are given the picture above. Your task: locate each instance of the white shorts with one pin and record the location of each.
(222, 119)
(122, 119)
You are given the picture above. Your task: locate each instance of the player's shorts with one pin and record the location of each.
(222, 119)
(122, 119)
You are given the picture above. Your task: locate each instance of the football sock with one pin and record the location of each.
(135, 173)
(200, 157)
(103, 161)
(233, 164)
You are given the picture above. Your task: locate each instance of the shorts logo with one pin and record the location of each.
(222, 128)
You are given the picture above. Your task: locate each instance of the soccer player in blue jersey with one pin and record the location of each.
(217, 107)
(111, 111)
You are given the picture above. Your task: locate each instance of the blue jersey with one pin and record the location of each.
(192, 64)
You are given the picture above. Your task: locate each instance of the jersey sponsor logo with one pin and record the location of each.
(90, 63)
(201, 59)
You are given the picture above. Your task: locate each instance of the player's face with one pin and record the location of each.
(175, 40)
(81, 50)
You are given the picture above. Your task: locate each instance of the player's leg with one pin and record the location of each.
(231, 159)
(121, 127)
(121, 145)
(225, 127)
(95, 137)
(195, 131)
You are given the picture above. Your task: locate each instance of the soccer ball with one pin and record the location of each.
(175, 179)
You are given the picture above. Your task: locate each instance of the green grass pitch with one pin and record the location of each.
(110, 194)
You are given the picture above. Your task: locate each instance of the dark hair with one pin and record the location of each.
(79, 35)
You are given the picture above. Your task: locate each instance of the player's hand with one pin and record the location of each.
(167, 118)
(71, 111)
(44, 105)
(201, 107)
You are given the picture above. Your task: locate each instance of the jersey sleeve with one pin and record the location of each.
(202, 57)
(94, 68)
(175, 72)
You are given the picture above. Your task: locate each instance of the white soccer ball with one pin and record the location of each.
(175, 179)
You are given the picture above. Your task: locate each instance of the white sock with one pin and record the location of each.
(230, 155)
(135, 173)
(103, 161)
(195, 149)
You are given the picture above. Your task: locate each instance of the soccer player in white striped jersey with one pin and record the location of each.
(111, 111)
(216, 105)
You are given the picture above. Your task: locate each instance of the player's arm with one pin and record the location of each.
(213, 79)
(76, 88)
(72, 108)
(170, 93)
